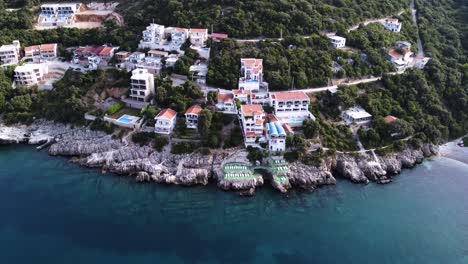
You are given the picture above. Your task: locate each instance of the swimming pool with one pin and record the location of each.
(126, 119)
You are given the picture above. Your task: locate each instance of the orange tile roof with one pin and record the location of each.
(43, 47)
(389, 119)
(251, 109)
(167, 114)
(194, 110)
(106, 51)
(250, 134)
(48, 47)
(199, 30)
(239, 92)
(178, 29)
(251, 61)
(290, 95)
(225, 97)
(392, 19)
(158, 52)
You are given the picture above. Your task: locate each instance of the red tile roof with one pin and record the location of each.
(251, 109)
(43, 47)
(219, 35)
(225, 97)
(168, 114)
(194, 110)
(239, 92)
(389, 119)
(290, 95)
(394, 54)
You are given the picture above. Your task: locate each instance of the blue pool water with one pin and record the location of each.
(52, 211)
(125, 119)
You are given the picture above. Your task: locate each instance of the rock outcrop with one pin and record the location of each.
(99, 150)
(309, 177)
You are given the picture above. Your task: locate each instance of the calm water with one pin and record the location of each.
(52, 211)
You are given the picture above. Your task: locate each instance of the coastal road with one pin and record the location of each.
(415, 24)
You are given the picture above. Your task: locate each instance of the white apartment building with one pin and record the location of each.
(337, 42)
(191, 116)
(198, 36)
(291, 107)
(142, 85)
(276, 136)
(43, 51)
(30, 74)
(392, 24)
(251, 74)
(58, 14)
(243, 96)
(9, 54)
(252, 117)
(178, 35)
(152, 35)
(165, 121)
(356, 115)
(226, 103)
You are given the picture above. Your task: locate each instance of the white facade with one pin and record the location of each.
(251, 74)
(58, 14)
(276, 137)
(165, 121)
(337, 42)
(44, 51)
(142, 85)
(9, 54)
(30, 74)
(153, 34)
(392, 24)
(226, 103)
(292, 107)
(198, 36)
(356, 115)
(191, 116)
(252, 117)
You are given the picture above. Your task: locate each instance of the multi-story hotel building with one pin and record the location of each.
(142, 85)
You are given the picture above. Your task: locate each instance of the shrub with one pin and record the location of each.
(115, 107)
(183, 147)
(143, 138)
(102, 125)
(159, 142)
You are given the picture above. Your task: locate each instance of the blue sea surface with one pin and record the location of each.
(52, 211)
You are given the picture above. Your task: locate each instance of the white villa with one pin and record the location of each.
(401, 61)
(252, 117)
(337, 42)
(44, 51)
(244, 96)
(392, 24)
(165, 121)
(142, 85)
(251, 79)
(198, 36)
(226, 103)
(30, 74)
(276, 136)
(356, 115)
(58, 14)
(9, 54)
(191, 116)
(291, 107)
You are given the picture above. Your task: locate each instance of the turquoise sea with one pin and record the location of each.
(52, 211)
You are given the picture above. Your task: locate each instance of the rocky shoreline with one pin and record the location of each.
(98, 150)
